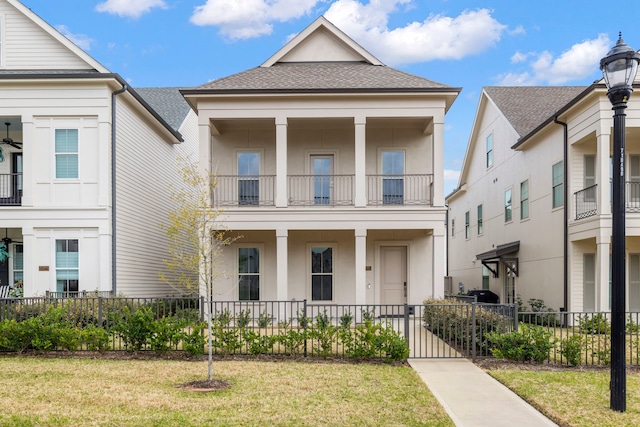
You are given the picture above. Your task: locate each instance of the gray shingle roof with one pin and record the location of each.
(322, 77)
(168, 102)
(527, 107)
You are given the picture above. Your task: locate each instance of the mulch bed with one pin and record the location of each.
(502, 364)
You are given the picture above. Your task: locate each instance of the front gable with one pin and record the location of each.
(322, 42)
(27, 42)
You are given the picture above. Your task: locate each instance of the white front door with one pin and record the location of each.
(393, 275)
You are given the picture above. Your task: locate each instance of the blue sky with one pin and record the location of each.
(461, 43)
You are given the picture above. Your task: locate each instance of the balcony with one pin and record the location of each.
(586, 200)
(323, 190)
(10, 189)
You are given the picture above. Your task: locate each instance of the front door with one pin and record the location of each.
(393, 275)
(509, 283)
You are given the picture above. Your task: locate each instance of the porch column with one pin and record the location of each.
(438, 249)
(360, 266)
(603, 244)
(360, 159)
(28, 161)
(29, 266)
(204, 149)
(282, 267)
(281, 162)
(438, 162)
(602, 174)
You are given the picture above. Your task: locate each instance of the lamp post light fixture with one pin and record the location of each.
(619, 68)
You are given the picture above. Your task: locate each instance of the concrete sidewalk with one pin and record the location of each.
(473, 398)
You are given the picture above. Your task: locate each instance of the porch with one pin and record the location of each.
(586, 200)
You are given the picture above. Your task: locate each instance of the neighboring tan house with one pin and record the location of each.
(67, 221)
(516, 225)
(330, 166)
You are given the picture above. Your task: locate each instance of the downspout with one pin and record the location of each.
(113, 186)
(565, 155)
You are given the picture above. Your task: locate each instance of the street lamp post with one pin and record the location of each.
(619, 68)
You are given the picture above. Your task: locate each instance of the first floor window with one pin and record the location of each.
(66, 152)
(18, 263)
(67, 266)
(249, 274)
(321, 274)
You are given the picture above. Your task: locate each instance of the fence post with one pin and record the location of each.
(100, 311)
(515, 317)
(473, 331)
(406, 323)
(304, 324)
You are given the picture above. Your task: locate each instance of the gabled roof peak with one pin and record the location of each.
(322, 41)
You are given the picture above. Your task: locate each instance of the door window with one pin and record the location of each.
(248, 178)
(393, 177)
(322, 167)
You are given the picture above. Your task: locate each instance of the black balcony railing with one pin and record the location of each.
(586, 202)
(10, 189)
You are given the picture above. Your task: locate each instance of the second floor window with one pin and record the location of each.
(467, 231)
(524, 199)
(489, 150)
(507, 206)
(480, 229)
(557, 184)
(248, 178)
(66, 153)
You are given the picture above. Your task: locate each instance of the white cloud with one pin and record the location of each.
(249, 18)
(437, 37)
(81, 40)
(519, 57)
(451, 175)
(130, 8)
(574, 64)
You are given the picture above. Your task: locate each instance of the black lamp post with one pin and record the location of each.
(619, 68)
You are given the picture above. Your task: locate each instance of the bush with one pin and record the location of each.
(193, 342)
(530, 343)
(594, 324)
(571, 349)
(135, 328)
(370, 339)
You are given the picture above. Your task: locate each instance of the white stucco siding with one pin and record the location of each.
(146, 169)
(27, 46)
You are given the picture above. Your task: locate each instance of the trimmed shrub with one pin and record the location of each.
(529, 343)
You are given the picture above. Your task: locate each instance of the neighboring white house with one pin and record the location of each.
(516, 225)
(330, 167)
(67, 220)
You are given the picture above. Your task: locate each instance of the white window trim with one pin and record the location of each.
(66, 126)
(260, 247)
(334, 274)
(308, 154)
(563, 183)
(260, 151)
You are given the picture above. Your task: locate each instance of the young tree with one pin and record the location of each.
(197, 238)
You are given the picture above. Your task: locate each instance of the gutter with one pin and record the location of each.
(566, 212)
(113, 186)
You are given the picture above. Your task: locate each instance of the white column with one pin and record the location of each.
(360, 159)
(281, 162)
(29, 150)
(602, 172)
(205, 151)
(361, 266)
(438, 249)
(438, 162)
(29, 263)
(282, 268)
(603, 244)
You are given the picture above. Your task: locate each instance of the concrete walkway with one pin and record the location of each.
(473, 398)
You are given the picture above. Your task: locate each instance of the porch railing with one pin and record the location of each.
(586, 202)
(389, 190)
(244, 190)
(632, 196)
(10, 189)
(321, 190)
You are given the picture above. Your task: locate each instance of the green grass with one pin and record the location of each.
(73, 392)
(574, 398)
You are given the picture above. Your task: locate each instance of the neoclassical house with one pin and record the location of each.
(330, 166)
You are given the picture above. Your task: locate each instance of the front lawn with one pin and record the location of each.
(72, 392)
(573, 397)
